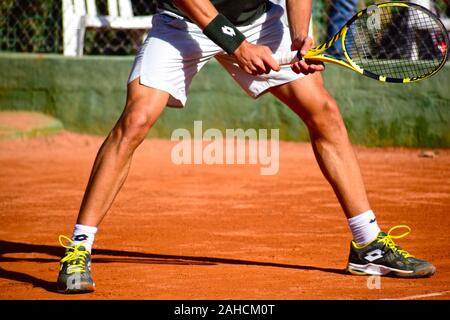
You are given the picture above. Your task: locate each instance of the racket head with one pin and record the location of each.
(395, 42)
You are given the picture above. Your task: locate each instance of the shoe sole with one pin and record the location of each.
(83, 288)
(380, 270)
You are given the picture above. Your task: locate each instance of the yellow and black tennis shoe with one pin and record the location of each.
(383, 257)
(75, 269)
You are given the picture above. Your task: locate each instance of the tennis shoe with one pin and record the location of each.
(383, 257)
(75, 269)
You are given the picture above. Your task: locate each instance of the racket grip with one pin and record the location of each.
(286, 58)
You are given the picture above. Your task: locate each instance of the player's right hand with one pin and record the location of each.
(303, 44)
(255, 59)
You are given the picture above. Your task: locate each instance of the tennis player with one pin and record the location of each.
(241, 36)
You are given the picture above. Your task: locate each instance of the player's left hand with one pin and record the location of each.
(303, 44)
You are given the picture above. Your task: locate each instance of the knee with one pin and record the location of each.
(327, 119)
(131, 129)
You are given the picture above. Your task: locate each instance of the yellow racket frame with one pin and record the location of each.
(316, 52)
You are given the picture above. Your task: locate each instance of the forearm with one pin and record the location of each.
(299, 16)
(202, 12)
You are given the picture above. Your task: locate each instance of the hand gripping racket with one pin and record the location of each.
(396, 42)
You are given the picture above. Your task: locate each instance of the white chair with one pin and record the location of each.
(81, 14)
(417, 45)
(431, 5)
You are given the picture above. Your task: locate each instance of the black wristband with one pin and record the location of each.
(223, 33)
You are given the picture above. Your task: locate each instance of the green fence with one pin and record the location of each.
(88, 94)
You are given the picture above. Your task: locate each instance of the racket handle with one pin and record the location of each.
(286, 58)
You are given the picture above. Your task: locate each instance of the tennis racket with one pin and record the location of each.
(396, 42)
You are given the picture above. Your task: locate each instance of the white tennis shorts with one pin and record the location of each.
(175, 50)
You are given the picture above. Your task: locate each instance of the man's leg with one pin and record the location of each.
(143, 107)
(371, 251)
(308, 98)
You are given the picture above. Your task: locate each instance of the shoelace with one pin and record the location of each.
(389, 242)
(75, 257)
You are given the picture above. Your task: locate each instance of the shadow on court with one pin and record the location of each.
(115, 256)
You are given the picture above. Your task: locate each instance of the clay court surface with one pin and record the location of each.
(215, 232)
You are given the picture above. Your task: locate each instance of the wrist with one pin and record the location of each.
(300, 36)
(242, 47)
(223, 33)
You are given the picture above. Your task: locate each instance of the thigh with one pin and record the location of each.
(306, 96)
(144, 101)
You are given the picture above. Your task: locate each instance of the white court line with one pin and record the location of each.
(420, 296)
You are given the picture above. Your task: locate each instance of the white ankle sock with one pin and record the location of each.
(364, 227)
(84, 234)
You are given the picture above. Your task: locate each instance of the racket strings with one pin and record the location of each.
(400, 42)
(384, 47)
(406, 45)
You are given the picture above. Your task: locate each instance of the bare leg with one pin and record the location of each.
(143, 107)
(310, 100)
